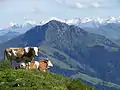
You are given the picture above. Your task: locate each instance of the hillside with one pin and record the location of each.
(68, 66)
(8, 36)
(110, 30)
(32, 79)
(20, 28)
(73, 50)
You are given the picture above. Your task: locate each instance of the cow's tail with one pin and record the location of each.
(5, 57)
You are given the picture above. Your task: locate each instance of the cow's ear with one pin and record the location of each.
(38, 49)
(46, 61)
(32, 48)
(27, 49)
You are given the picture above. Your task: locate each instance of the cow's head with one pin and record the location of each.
(49, 63)
(32, 50)
(44, 65)
(36, 50)
(27, 49)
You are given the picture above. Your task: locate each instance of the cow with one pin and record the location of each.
(19, 54)
(41, 65)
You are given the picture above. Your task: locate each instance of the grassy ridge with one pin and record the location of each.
(21, 79)
(32, 79)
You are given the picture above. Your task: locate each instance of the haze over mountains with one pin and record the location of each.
(21, 28)
(108, 27)
(14, 30)
(74, 52)
(94, 25)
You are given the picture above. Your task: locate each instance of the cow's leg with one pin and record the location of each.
(44, 70)
(39, 69)
(32, 58)
(14, 64)
(11, 63)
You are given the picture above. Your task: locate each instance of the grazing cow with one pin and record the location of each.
(19, 54)
(41, 65)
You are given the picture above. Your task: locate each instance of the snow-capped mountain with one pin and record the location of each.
(87, 22)
(24, 27)
(109, 27)
(81, 22)
(20, 28)
(94, 22)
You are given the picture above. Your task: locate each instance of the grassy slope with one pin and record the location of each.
(71, 62)
(32, 79)
(64, 63)
(95, 81)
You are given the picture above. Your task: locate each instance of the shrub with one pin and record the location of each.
(5, 64)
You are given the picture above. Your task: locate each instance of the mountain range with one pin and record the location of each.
(86, 21)
(14, 30)
(8, 36)
(74, 52)
(20, 28)
(108, 27)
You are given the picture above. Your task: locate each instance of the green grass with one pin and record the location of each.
(5, 64)
(21, 79)
(34, 80)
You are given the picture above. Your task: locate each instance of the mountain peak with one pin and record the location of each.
(26, 23)
(56, 21)
(83, 22)
(86, 21)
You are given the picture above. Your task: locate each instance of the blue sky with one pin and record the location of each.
(20, 11)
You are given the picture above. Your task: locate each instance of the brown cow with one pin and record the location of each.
(32, 65)
(41, 65)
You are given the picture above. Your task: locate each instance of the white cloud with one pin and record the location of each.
(79, 5)
(87, 3)
(84, 5)
(59, 1)
(96, 5)
(38, 10)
